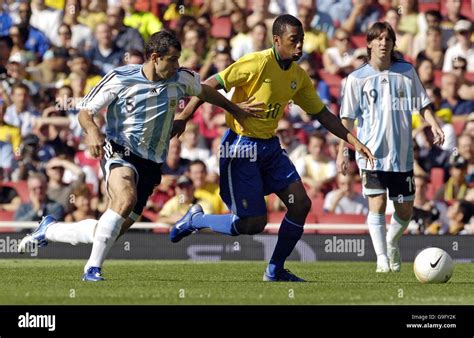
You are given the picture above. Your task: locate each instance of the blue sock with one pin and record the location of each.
(224, 224)
(288, 235)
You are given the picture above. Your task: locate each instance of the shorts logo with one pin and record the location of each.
(293, 85)
(245, 203)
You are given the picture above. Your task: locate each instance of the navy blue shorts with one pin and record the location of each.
(250, 169)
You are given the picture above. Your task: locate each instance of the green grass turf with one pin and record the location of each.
(30, 281)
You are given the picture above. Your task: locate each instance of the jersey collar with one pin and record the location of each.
(284, 64)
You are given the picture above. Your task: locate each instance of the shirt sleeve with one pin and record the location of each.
(102, 94)
(350, 105)
(240, 72)
(307, 98)
(191, 82)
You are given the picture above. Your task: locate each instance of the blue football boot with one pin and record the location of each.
(93, 274)
(38, 237)
(184, 226)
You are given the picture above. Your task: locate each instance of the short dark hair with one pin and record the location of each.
(279, 26)
(160, 43)
(7, 40)
(374, 32)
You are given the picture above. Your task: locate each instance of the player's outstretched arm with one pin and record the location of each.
(438, 133)
(332, 123)
(94, 138)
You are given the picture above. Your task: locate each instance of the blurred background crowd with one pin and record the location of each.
(54, 52)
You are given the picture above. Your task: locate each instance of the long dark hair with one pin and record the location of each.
(375, 31)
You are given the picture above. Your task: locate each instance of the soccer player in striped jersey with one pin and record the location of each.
(252, 162)
(381, 96)
(141, 102)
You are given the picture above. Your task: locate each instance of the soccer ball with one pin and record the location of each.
(433, 265)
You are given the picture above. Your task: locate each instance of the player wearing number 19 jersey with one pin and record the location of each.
(381, 96)
(252, 162)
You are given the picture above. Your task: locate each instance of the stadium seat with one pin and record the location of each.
(437, 178)
(331, 218)
(458, 126)
(6, 215)
(359, 41)
(437, 77)
(428, 5)
(470, 77)
(221, 28)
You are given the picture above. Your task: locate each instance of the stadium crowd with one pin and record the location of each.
(52, 53)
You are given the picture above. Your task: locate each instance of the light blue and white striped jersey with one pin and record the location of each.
(383, 103)
(140, 112)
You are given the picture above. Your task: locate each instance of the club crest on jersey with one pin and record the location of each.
(401, 93)
(293, 85)
(173, 103)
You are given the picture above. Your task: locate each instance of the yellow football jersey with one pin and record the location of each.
(259, 74)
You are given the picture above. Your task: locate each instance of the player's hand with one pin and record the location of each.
(366, 153)
(252, 108)
(95, 141)
(438, 135)
(178, 128)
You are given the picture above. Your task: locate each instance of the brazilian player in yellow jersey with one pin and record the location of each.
(252, 162)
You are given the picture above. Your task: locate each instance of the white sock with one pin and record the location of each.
(73, 233)
(376, 223)
(106, 233)
(395, 230)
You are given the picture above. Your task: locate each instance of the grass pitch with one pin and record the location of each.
(39, 281)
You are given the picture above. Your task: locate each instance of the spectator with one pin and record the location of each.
(240, 29)
(257, 42)
(455, 189)
(145, 22)
(81, 199)
(28, 161)
(459, 215)
(16, 72)
(21, 113)
(19, 53)
(53, 69)
(57, 190)
(82, 37)
(322, 21)
(6, 45)
(37, 42)
(289, 142)
(434, 50)
(339, 59)
(205, 191)
(46, 19)
(125, 38)
(345, 200)
(9, 199)
(106, 55)
(260, 13)
(194, 48)
(465, 149)
(177, 206)
(218, 9)
(175, 165)
(40, 205)
(424, 68)
(425, 211)
(432, 19)
(9, 133)
(316, 169)
(364, 13)
(409, 19)
(453, 16)
(5, 20)
(81, 79)
(190, 147)
(463, 47)
(466, 89)
(134, 57)
(451, 99)
(315, 41)
(404, 36)
(92, 13)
